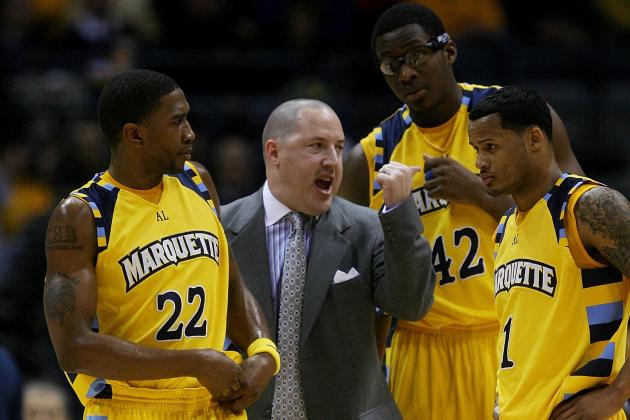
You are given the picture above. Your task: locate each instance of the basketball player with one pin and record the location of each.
(561, 269)
(442, 366)
(140, 283)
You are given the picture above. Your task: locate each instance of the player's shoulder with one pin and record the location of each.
(72, 217)
(71, 208)
(198, 168)
(601, 201)
(83, 201)
(473, 93)
(400, 118)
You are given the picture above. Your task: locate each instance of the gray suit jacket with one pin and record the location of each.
(340, 370)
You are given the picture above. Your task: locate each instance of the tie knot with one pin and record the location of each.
(297, 220)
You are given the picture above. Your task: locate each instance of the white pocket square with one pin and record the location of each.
(340, 276)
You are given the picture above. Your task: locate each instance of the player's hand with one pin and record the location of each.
(602, 403)
(448, 179)
(395, 180)
(220, 374)
(257, 372)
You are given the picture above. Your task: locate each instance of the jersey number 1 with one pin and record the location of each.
(506, 363)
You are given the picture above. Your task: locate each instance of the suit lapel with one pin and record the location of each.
(250, 243)
(327, 250)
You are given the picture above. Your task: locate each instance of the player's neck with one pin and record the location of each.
(133, 174)
(443, 111)
(541, 181)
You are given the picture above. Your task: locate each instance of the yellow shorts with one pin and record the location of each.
(157, 404)
(444, 374)
(129, 403)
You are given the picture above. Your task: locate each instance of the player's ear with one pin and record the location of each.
(450, 52)
(535, 138)
(131, 133)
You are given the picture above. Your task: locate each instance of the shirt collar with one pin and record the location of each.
(274, 209)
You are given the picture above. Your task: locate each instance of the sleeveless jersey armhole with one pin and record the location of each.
(579, 253)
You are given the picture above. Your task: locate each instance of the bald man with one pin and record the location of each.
(356, 261)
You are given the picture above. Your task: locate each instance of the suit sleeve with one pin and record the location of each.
(403, 271)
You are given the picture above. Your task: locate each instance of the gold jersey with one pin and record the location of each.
(563, 316)
(460, 234)
(162, 271)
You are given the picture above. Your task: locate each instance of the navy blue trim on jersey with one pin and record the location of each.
(106, 393)
(600, 367)
(604, 320)
(392, 130)
(593, 277)
(501, 228)
(103, 200)
(476, 95)
(186, 179)
(557, 199)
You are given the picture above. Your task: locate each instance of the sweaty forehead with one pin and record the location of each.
(402, 38)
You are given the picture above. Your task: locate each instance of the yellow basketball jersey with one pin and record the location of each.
(460, 235)
(563, 326)
(162, 271)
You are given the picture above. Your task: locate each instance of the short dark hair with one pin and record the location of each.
(518, 107)
(405, 14)
(129, 97)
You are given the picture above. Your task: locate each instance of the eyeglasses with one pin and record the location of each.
(414, 58)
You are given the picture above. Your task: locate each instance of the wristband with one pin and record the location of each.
(265, 345)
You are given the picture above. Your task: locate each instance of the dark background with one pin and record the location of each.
(236, 61)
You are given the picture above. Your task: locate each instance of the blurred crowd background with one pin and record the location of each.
(236, 60)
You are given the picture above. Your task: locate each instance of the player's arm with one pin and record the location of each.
(246, 323)
(562, 146)
(355, 183)
(603, 220)
(247, 327)
(70, 296)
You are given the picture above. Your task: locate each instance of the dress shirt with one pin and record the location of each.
(278, 230)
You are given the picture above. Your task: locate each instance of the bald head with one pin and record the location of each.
(283, 121)
(302, 144)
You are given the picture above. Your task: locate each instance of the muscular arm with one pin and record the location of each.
(245, 323)
(355, 183)
(603, 219)
(562, 146)
(70, 297)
